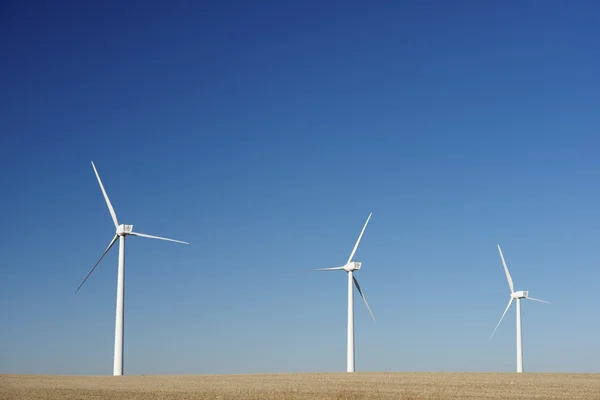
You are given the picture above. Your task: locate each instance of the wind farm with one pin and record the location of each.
(299, 200)
(350, 385)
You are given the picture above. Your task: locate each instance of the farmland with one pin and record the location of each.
(306, 386)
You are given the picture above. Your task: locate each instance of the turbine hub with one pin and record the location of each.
(123, 230)
(521, 294)
(352, 266)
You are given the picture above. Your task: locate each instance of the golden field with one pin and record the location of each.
(305, 386)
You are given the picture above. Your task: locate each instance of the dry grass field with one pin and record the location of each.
(305, 386)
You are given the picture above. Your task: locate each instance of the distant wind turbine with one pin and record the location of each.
(122, 231)
(350, 267)
(521, 294)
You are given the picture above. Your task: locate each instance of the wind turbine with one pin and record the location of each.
(122, 231)
(350, 267)
(521, 294)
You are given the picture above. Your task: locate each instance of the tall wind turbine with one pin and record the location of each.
(521, 294)
(122, 231)
(350, 267)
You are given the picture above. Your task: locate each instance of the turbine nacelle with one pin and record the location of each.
(352, 266)
(123, 230)
(521, 294)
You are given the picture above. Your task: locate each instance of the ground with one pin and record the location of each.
(305, 386)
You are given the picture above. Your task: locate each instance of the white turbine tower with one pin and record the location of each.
(122, 231)
(350, 267)
(517, 296)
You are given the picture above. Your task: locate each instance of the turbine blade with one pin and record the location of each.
(501, 318)
(508, 278)
(156, 237)
(358, 241)
(541, 301)
(363, 297)
(110, 207)
(327, 269)
(112, 242)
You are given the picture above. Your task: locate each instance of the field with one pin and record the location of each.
(305, 386)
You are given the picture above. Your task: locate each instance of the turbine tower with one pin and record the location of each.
(517, 296)
(122, 232)
(350, 267)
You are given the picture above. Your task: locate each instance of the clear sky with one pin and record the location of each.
(264, 133)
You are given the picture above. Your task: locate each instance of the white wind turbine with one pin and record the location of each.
(349, 268)
(521, 294)
(122, 231)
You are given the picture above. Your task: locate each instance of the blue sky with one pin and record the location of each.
(264, 134)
